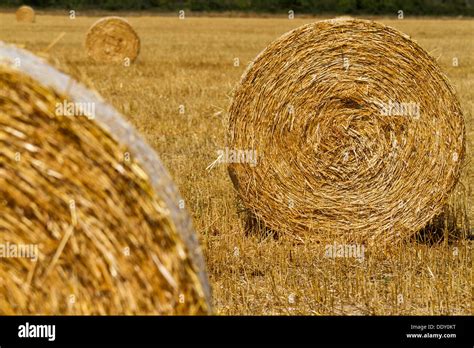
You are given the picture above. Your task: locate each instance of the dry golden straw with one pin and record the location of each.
(112, 39)
(357, 132)
(25, 14)
(82, 192)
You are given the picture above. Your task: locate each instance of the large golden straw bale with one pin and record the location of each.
(357, 132)
(81, 191)
(25, 14)
(112, 39)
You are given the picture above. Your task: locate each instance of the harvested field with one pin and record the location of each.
(177, 94)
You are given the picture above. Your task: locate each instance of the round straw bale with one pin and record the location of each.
(357, 133)
(85, 196)
(25, 14)
(112, 39)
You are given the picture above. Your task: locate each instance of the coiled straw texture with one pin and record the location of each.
(93, 200)
(357, 132)
(112, 40)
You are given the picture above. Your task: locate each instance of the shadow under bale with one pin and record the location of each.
(451, 224)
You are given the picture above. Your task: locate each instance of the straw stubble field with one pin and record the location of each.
(177, 94)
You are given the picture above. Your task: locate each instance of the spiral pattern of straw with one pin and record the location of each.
(356, 131)
(112, 40)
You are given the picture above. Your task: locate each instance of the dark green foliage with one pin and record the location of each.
(409, 7)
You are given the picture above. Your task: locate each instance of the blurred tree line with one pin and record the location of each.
(409, 7)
